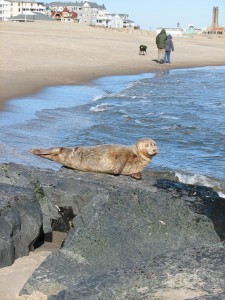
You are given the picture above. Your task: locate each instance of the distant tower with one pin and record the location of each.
(215, 17)
(178, 24)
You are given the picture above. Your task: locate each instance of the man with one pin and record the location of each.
(161, 45)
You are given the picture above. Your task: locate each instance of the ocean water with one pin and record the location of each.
(182, 110)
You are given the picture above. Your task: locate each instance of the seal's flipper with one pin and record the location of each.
(136, 176)
(119, 164)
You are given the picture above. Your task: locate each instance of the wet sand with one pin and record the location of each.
(37, 55)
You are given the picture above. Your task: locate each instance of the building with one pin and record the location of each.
(87, 12)
(104, 19)
(65, 15)
(176, 31)
(90, 13)
(120, 21)
(71, 6)
(215, 29)
(192, 30)
(24, 7)
(84, 12)
(4, 10)
(31, 17)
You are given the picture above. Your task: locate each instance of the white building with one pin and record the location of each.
(4, 10)
(103, 19)
(13, 8)
(119, 21)
(177, 31)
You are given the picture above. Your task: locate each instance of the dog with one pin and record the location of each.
(143, 50)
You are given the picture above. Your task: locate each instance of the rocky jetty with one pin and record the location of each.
(126, 239)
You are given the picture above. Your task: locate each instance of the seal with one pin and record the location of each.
(107, 158)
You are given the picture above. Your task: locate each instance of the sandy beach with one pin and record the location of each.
(36, 55)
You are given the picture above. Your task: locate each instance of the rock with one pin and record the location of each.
(20, 222)
(200, 270)
(210, 204)
(128, 238)
(220, 296)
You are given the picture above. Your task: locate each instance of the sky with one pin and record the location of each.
(150, 14)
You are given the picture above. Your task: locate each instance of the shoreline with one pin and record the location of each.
(39, 55)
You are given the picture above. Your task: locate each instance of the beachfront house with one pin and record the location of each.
(120, 21)
(66, 15)
(13, 8)
(87, 12)
(104, 19)
(4, 10)
(90, 13)
(84, 12)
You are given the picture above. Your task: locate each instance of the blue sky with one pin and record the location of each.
(166, 13)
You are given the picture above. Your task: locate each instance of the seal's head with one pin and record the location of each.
(146, 147)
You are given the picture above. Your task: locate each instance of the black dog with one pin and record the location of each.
(143, 50)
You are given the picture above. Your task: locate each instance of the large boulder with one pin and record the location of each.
(20, 222)
(189, 272)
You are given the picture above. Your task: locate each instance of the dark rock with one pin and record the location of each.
(196, 269)
(220, 296)
(121, 228)
(64, 223)
(205, 201)
(128, 238)
(20, 222)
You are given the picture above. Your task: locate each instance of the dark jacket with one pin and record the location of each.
(169, 43)
(161, 39)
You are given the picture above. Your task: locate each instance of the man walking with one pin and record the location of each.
(161, 45)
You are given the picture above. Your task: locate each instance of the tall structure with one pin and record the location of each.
(214, 29)
(215, 17)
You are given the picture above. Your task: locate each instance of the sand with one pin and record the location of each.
(40, 54)
(13, 278)
(37, 55)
